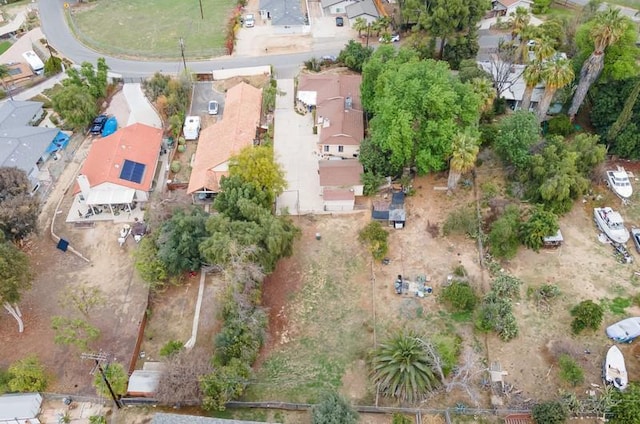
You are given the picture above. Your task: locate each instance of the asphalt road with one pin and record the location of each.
(59, 36)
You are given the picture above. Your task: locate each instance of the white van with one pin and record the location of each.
(34, 61)
(191, 128)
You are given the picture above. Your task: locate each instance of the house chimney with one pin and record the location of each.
(85, 188)
(348, 103)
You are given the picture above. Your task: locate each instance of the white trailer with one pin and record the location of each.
(34, 61)
(191, 128)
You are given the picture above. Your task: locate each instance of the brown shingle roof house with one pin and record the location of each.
(340, 173)
(218, 142)
(338, 107)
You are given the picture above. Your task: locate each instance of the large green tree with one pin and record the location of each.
(606, 29)
(418, 107)
(117, 377)
(179, 240)
(517, 133)
(236, 192)
(28, 375)
(75, 105)
(258, 166)
(15, 272)
(19, 210)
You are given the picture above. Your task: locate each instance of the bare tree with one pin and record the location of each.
(501, 66)
(180, 380)
(82, 298)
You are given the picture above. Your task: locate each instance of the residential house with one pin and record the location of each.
(513, 83)
(24, 145)
(339, 116)
(20, 408)
(119, 169)
(162, 418)
(365, 9)
(507, 7)
(235, 131)
(285, 16)
(144, 382)
(340, 183)
(335, 7)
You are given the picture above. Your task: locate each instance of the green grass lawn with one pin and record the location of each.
(153, 28)
(4, 46)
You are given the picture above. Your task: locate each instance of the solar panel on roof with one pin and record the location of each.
(132, 171)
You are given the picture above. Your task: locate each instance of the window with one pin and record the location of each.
(340, 149)
(326, 148)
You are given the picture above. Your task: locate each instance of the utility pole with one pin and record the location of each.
(201, 12)
(184, 62)
(99, 358)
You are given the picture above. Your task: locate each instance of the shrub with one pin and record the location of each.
(488, 133)
(503, 237)
(549, 413)
(175, 166)
(182, 148)
(5, 377)
(543, 295)
(506, 286)
(27, 375)
(376, 239)
(460, 296)
(333, 408)
(370, 181)
(496, 314)
(171, 348)
(463, 221)
(448, 347)
(540, 6)
(586, 314)
(398, 418)
(541, 223)
(117, 377)
(560, 125)
(570, 371)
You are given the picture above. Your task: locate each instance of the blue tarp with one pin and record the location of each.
(110, 126)
(58, 143)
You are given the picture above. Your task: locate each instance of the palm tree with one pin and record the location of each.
(608, 27)
(532, 76)
(483, 87)
(403, 369)
(380, 25)
(519, 21)
(360, 24)
(556, 74)
(543, 48)
(464, 151)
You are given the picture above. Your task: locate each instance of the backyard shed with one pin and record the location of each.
(20, 408)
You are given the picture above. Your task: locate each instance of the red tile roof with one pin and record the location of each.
(340, 173)
(218, 142)
(346, 125)
(138, 143)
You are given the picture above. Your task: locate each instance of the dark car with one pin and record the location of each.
(339, 21)
(98, 124)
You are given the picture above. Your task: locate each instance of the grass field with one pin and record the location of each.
(153, 28)
(4, 46)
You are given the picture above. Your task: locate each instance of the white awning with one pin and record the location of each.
(111, 197)
(309, 98)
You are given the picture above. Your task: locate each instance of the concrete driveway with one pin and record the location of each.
(295, 150)
(203, 92)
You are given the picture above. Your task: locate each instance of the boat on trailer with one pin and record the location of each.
(612, 224)
(614, 370)
(619, 182)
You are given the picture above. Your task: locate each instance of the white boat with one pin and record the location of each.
(614, 370)
(619, 182)
(612, 224)
(124, 233)
(624, 331)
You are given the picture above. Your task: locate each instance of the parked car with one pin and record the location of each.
(249, 21)
(98, 124)
(393, 38)
(213, 107)
(329, 58)
(339, 21)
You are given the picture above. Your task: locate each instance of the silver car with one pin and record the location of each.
(249, 21)
(213, 107)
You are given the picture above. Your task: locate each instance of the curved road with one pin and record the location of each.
(55, 28)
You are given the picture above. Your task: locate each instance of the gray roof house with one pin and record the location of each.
(21, 144)
(161, 418)
(366, 9)
(335, 7)
(20, 408)
(285, 15)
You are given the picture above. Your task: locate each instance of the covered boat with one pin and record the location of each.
(635, 236)
(624, 331)
(612, 224)
(614, 371)
(619, 182)
(110, 126)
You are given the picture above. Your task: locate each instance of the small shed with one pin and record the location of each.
(144, 382)
(20, 408)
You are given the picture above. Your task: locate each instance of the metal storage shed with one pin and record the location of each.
(20, 408)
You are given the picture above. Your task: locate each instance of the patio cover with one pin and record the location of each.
(309, 98)
(111, 197)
